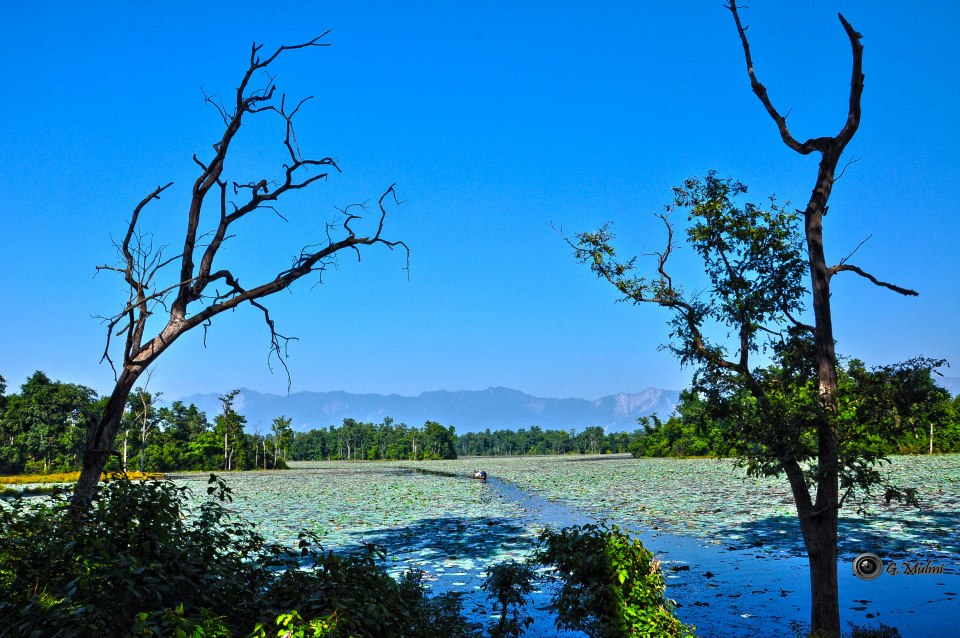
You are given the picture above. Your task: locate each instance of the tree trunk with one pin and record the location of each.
(931, 437)
(820, 525)
(143, 442)
(819, 529)
(820, 536)
(100, 437)
(126, 435)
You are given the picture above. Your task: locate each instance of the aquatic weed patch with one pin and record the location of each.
(712, 500)
(449, 527)
(709, 499)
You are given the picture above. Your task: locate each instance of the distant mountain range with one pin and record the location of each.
(466, 410)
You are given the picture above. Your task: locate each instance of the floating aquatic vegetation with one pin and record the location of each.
(712, 500)
(446, 526)
(453, 527)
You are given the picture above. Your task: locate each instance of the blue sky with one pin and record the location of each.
(497, 121)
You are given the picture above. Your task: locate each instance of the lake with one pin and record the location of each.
(729, 545)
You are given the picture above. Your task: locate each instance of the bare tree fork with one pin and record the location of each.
(818, 520)
(204, 288)
(146, 406)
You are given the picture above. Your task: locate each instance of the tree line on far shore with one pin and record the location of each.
(42, 429)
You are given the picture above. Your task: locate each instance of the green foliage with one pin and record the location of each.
(610, 585)
(282, 435)
(365, 600)
(536, 440)
(884, 410)
(690, 431)
(292, 625)
(878, 410)
(228, 426)
(392, 441)
(355, 440)
(753, 256)
(142, 418)
(174, 623)
(439, 442)
(508, 584)
(42, 427)
(142, 563)
(883, 631)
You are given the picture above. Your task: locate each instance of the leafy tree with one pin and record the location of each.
(143, 412)
(11, 452)
(44, 423)
(690, 431)
(228, 426)
(949, 432)
(439, 442)
(777, 416)
(282, 433)
(890, 409)
(202, 286)
(182, 423)
(311, 446)
(536, 440)
(818, 509)
(593, 440)
(182, 440)
(205, 452)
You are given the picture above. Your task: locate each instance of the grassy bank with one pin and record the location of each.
(30, 484)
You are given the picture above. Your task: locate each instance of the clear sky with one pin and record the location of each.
(496, 120)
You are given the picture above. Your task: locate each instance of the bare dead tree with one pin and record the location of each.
(202, 287)
(818, 512)
(146, 406)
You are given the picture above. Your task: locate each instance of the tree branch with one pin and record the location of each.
(805, 148)
(798, 323)
(595, 250)
(856, 84)
(849, 267)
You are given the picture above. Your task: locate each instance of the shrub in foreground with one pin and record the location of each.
(142, 563)
(609, 586)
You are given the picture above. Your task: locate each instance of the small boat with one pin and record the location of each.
(480, 474)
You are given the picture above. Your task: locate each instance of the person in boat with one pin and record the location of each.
(480, 474)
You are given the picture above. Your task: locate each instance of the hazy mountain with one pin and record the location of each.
(467, 410)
